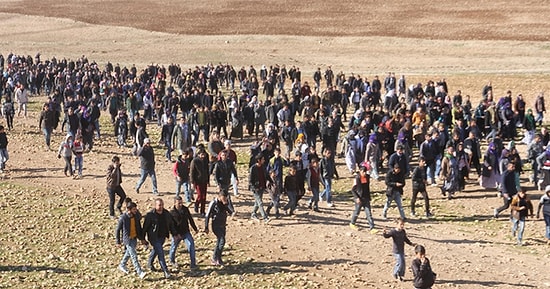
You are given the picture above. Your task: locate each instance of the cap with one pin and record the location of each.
(227, 142)
(146, 141)
(547, 189)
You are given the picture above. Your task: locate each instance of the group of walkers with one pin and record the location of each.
(391, 126)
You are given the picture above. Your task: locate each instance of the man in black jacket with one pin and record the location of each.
(182, 219)
(509, 189)
(257, 182)
(199, 175)
(218, 212)
(157, 225)
(395, 180)
(419, 186)
(147, 165)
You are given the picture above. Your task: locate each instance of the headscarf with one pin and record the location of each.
(372, 138)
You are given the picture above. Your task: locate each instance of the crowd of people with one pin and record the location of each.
(391, 127)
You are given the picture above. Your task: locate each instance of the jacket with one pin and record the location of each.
(418, 177)
(158, 226)
(182, 219)
(361, 190)
(181, 169)
(218, 212)
(391, 180)
(114, 176)
(124, 228)
(518, 202)
(509, 183)
(327, 168)
(199, 171)
(254, 181)
(223, 171)
(424, 277)
(146, 158)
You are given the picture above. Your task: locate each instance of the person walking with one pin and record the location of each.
(313, 177)
(66, 151)
(182, 220)
(395, 181)
(218, 211)
(399, 236)
(544, 204)
(114, 179)
(4, 156)
(157, 226)
(521, 208)
(508, 188)
(199, 177)
(47, 123)
(328, 171)
(449, 173)
(147, 165)
(257, 184)
(181, 173)
(361, 196)
(419, 186)
(129, 226)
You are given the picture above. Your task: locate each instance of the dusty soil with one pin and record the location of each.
(466, 43)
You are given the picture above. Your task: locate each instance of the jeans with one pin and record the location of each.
(118, 191)
(144, 173)
(78, 160)
(220, 243)
(47, 135)
(395, 196)
(234, 184)
(189, 243)
(515, 224)
(158, 251)
(258, 203)
(399, 268)
(96, 126)
(437, 165)
(185, 185)
(430, 171)
(130, 253)
(168, 154)
(314, 201)
(540, 117)
(328, 188)
(357, 210)
(4, 157)
(547, 223)
(292, 198)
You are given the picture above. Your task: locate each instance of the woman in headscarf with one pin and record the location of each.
(449, 173)
(373, 155)
(529, 126)
(490, 174)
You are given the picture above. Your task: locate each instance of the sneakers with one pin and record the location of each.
(193, 267)
(495, 213)
(413, 214)
(123, 269)
(353, 227)
(330, 205)
(142, 275)
(167, 275)
(254, 218)
(267, 220)
(215, 262)
(428, 215)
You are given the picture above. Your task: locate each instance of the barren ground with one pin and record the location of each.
(56, 232)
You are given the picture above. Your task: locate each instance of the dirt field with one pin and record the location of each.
(57, 232)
